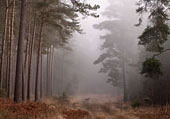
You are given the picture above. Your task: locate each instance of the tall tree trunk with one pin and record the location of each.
(38, 62)
(7, 71)
(47, 78)
(7, 54)
(20, 53)
(30, 62)
(41, 77)
(52, 57)
(3, 44)
(11, 51)
(125, 97)
(25, 63)
(49, 72)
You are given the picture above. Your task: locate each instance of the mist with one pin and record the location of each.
(84, 59)
(86, 47)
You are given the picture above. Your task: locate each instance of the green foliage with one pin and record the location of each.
(152, 68)
(61, 18)
(3, 93)
(155, 34)
(84, 8)
(136, 104)
(157, 31)
(154, 37)
(110, 66)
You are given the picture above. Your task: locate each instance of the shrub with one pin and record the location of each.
(136, 104)
(3, 93)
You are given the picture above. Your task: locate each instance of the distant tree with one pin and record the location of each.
(118, 50)
(115, 58)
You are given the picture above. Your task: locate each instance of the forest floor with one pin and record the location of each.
(79, 107)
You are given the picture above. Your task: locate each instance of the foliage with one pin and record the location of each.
(3, 93)
(111, 66)
(61, 19)
(154, 37)
(84, 8)
(152, 68)
(155, 34)
(135, 104)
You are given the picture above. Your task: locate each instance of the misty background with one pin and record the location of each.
(77, 70)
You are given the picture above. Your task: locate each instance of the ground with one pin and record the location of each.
(79, 107)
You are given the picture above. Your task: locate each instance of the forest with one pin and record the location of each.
(84, 59)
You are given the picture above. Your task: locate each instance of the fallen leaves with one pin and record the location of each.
(28, 110)
(76, 114)
(153, 112)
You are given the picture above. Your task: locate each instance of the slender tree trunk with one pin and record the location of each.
(11, 51)
(52, 57)
(20, 53)
(49, 72)
(125, 98)
(30, 62)
(38, 62)
(25, 64)
(7, 70)
(3, 44)
(7, 54)
(47, 78)
(49, 69)
(41, 78)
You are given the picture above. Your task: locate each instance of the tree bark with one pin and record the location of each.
(125, 97)
(7, 54)
(11, 51)
(38, 62)
(47, 78)
(41, 78)
(25, 64)
(20, 53)
(52, 57)
(3, 44)
(49, 73)
(30, 62)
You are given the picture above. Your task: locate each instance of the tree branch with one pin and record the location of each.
(155, 55)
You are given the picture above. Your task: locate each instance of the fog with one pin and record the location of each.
(94, 59)
(86, 48)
